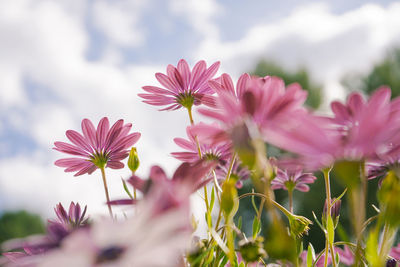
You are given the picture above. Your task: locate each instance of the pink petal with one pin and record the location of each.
(166, 82)
(184, 71)
(115, 164)
(77, 139)
(101, 133)
(157, 90)
(70, 149)
(197, 73)
(89, 132)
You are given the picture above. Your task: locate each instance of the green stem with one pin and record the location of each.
(328, 216)
(290, 193)
(103, 174)
(358, 197)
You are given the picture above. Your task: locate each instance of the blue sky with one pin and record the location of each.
(62, 61)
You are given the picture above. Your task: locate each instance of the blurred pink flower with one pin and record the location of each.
(142, 240)
(104, 147)
(182, 87)
(290, 180)
(29, 250)
(346, 257)
(366, 127)
(395, 252)
(262, 101)
(359, 130)
(220, 152)
(171, 193)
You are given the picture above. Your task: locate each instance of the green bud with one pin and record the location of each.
(299, 225)
(133, 160)
(252, 250)
(229, 200)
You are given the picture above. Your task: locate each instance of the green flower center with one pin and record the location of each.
(99, 159)
(186, 99)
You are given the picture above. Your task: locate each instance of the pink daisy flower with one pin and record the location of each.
(290, 180)
(220, 152)
(360, 129)
(182, 87)
(96, 148)
(366, 127)
(262, 101)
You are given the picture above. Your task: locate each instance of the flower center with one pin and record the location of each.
(186, 99)
(109, 254)
(99, 159)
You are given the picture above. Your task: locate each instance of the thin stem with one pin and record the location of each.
(290, 193)
(103, 174)
(358, 196)
(328, 215)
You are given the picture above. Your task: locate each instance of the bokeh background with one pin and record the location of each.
(62, 61)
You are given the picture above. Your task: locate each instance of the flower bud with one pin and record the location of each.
(299, 225)
(133, 160)
(252, 250)
(335, 211)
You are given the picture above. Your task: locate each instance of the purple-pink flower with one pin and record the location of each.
(292, 179)
(182, 87)
(263, 102)
(173, 192)
(30, 250)
(96, 148)
(221, 152)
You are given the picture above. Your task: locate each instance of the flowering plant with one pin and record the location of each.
(359, 142)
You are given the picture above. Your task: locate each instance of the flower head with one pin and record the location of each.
(182, 87)
(96, 148)
(141, 240)
(57, 230)
(292, 179)
(172, 192)
(220, 152)
(262, 101)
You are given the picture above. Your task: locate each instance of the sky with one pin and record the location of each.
(62, 61)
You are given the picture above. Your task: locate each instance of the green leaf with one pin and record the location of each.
(319, 224)
(256, 227)
(208, 219)
(310, 255)
(331, 230)
(212, 199)
(239, 224)
(126, 188)
(339, 197)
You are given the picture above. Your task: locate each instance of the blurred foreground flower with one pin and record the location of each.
(29, 250)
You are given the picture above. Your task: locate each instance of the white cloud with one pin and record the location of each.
(329, 44)
(46, 43)
(118, 21)
(199, 14)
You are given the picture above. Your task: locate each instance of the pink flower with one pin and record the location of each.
(141, 240)
(174, 192)
(261, 100)
(290, 180)
(30, 249)
(220, 152)
(182, 87)
(104, 147)
(360, 129)
(366, 127)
